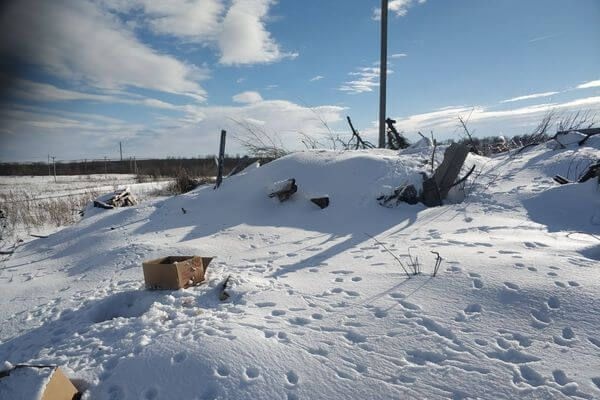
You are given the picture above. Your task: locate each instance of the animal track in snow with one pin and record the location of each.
(252, 373)
(179, 357)
(477, 283)
(530, 376)
(292, 378)
(151, 394)
(567, 337)
(553, 302)
(223, 371)
(473, 308)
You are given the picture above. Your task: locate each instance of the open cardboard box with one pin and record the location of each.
(175, 272)
(36, 383)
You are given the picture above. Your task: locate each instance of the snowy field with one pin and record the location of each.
(318, 309)
(27, 201)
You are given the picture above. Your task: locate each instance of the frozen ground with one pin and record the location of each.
(28, 196)
(317, 308)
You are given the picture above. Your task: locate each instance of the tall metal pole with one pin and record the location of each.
(121, 150)
(383, 73)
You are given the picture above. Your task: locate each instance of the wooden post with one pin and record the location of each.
(121, 150)
(383, 73)
(436, 189)
(54, 165)
(221, 159)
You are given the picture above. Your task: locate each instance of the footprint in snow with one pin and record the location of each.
(223, 371)
(151, 394)
(291, 378)
(512, 286)
(567, 337)
(179, 357)
(553, 302)
(477, 284)
(251, 373)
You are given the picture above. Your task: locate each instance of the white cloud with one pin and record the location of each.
(398, 55)
(247, 97)
(590, 84)
(447, 118)
(244, 38)
(77, 40)
(397, 7)
(364, 80)
(194, 20)
(37, 131)
(529, 96)
(316, 78)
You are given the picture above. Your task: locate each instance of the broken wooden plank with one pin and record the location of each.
(447, 173)
(101, 204)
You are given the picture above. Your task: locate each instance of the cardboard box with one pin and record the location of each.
(175, 272)
(36, 383)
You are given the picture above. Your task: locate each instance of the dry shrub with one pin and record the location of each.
(183, 183)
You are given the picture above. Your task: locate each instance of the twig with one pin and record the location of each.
(464, 178)
(393, 255)
(438, 262)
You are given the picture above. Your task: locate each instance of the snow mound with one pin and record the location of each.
(317, 308)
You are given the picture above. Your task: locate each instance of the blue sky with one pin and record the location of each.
(78, 76)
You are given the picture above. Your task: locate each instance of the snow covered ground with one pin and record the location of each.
(24, 198)
(317, 308)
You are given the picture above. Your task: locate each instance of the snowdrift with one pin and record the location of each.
(317, 308)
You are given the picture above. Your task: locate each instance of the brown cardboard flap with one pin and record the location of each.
(59, 387)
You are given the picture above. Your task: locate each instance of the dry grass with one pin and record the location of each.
(23, 210)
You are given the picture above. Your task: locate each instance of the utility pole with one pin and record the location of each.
(383, 73)
(49, 172)
(105, 167)
(121, 150)
(54, 165)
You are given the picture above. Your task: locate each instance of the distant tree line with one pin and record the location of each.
(169, 167)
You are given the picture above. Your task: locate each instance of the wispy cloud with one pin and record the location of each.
(529, 97)
(363, 80)
(590, 84)
(45, 92)
(540, 38)
(446, 118)
(316, 78)
(398, 55)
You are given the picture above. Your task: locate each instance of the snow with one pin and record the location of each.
(318, 309)
(25, 383)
